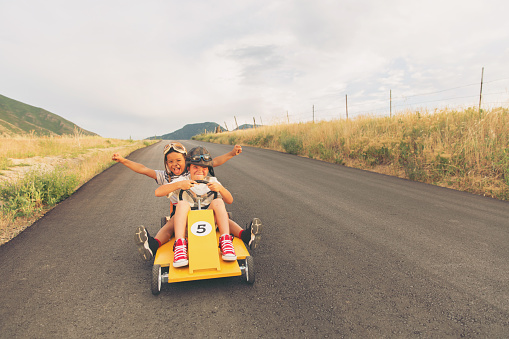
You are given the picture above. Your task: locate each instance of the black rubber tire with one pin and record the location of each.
(156, 279)
(250, 270)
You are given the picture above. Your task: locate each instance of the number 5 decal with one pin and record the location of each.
(201, 228)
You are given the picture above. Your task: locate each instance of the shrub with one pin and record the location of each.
(266, 140)
(232, 140)
(378, 155)
(291, 143)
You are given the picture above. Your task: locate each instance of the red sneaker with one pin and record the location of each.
(227, 250)
(180, 253)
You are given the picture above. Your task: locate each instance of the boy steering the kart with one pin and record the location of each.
(199, 165)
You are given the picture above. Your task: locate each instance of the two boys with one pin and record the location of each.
(199, 166)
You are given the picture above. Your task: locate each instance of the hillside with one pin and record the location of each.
(19, 118)
(247, 126)
(188, 131)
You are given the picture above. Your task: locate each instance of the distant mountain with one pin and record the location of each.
(19, 118)
(189, 131)
(247, 126)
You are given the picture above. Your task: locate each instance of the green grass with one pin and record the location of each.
(37, 191)
(5, 163)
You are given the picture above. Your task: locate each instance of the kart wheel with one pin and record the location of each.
(249, 270)
(156, 279)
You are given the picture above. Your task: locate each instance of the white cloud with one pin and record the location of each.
(126, 68)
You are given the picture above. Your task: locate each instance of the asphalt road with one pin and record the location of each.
(345, 253)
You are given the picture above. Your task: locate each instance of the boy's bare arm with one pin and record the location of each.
(138, 168)
(217, 187)
(218, 161)
(166, 189)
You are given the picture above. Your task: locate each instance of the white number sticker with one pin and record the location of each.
(201, 228)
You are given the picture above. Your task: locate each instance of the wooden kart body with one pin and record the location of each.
(205, 260)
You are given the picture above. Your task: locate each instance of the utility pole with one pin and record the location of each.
(288, 117)
(234, 117)
(226, 126)
(313, 114)
(254, 122)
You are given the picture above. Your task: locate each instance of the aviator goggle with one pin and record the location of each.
(196, 158)
(177, 147)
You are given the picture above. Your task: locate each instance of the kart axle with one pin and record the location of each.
(164, 277)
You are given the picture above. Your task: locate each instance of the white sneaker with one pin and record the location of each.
(255, 228)
(141, 238)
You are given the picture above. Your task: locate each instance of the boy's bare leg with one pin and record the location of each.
(166, 232)
(235, 229)
(180, 219)
(221, 216)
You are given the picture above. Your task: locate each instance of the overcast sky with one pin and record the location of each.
(142, 68)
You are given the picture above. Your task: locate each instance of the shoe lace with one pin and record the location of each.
(180, 250)
(227, 246)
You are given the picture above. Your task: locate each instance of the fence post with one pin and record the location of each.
(390, 99)
(346, 103)
(313, 114)
(480, 94)
(226, 126)
(288, 117)
(254, 122)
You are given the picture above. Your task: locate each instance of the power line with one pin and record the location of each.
(441, 91)
(487, 82)
(378, 105)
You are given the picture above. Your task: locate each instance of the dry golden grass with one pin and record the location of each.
(83, 156)
(462, 150)
(27, 146)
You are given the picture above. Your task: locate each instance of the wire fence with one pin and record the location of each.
(483, 94)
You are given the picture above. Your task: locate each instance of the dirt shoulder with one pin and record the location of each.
(94, 162)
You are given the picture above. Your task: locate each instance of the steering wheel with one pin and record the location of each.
(194, 196)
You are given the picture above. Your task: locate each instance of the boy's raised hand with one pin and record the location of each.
(116, 157)
(237, 149)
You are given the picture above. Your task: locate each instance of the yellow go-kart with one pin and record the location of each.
(203, 251)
